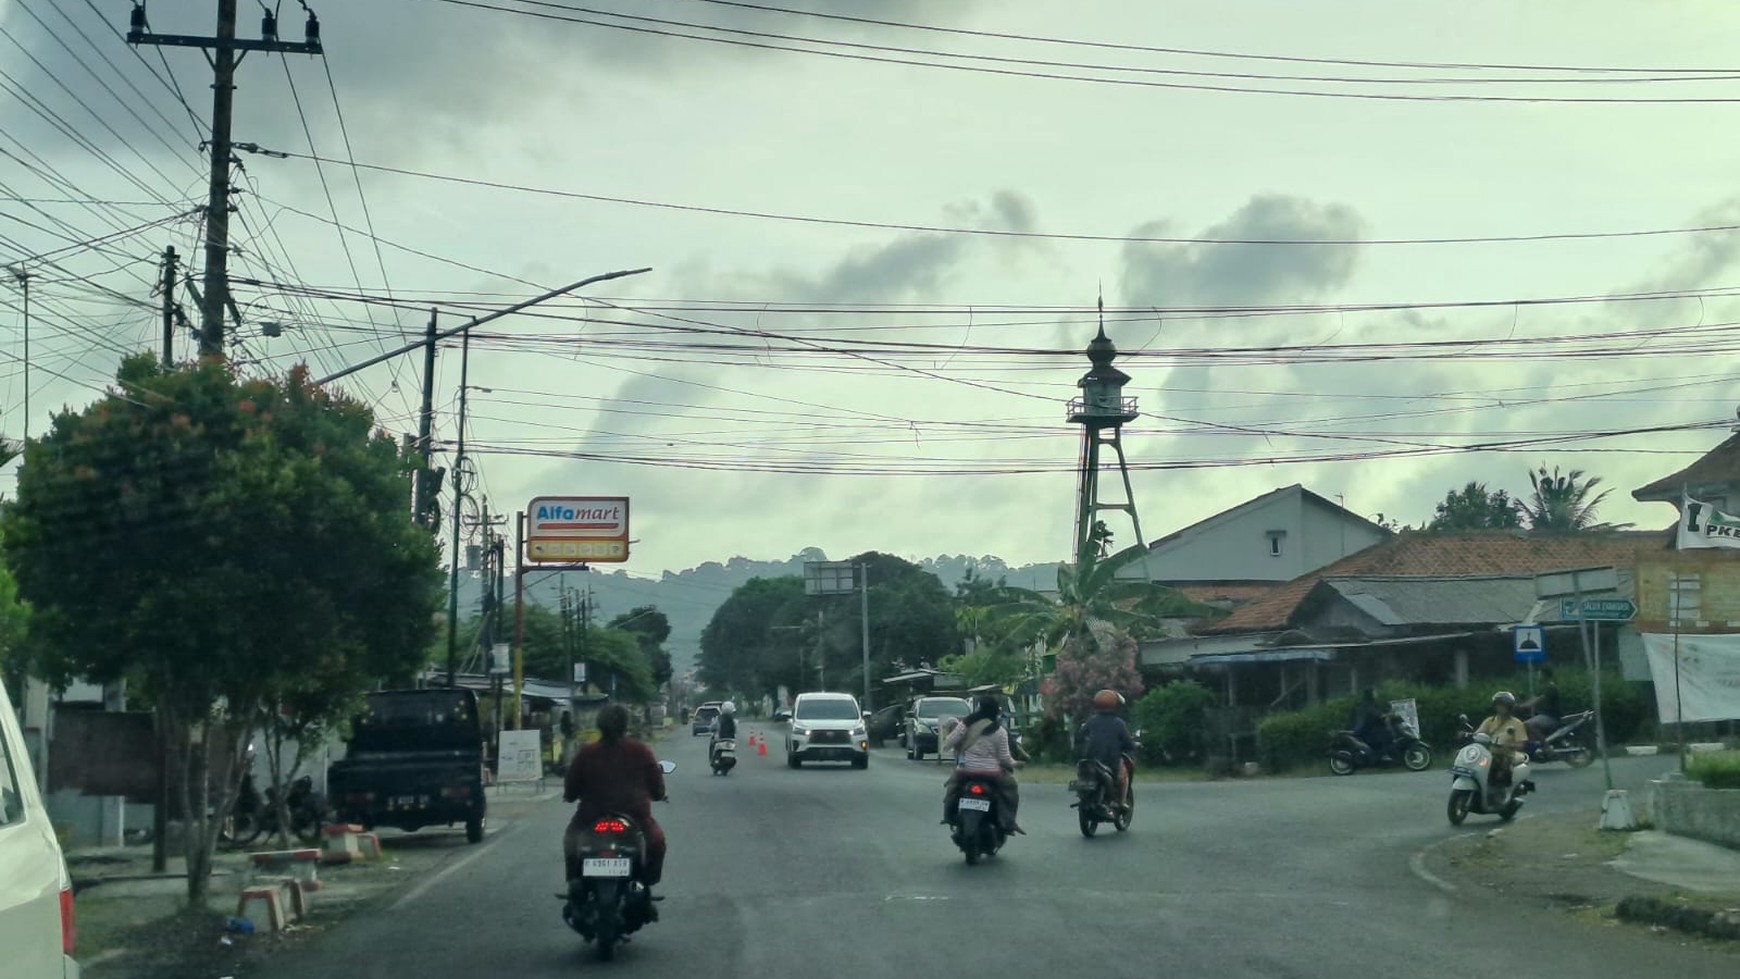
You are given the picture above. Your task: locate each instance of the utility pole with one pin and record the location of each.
(458, 504)
(169, 260)
(23, 279)
(864, 613)
(427, 486)
(226, 53)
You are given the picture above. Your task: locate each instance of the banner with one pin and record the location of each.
(1702, 525)
(1409, 711)
(1708, 685)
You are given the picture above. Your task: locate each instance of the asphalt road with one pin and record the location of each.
(846, 874)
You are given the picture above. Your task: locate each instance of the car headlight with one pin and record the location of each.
(798, 730)
(857, 732)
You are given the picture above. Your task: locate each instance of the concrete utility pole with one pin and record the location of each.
(458, 504)
(426, 486)
(864, 614)
(23, 279)
(227, 52)
(169, 260)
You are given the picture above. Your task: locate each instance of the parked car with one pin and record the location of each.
(704, 715)
(38, 923)
(415, 759)
(886, 723)
(924, 720)
(827, 727)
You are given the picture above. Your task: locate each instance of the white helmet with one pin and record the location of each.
(727, 708)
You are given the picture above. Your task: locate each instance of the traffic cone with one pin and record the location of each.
(761, 749)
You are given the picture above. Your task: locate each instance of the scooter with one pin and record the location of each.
(977, 827)
(1094, 786)
(723, 757)
(607, 902)
(1471, 785)
(1566, 743)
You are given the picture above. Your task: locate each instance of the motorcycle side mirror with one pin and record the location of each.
(667, 767)
(1462, 717)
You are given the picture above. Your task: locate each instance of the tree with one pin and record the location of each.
(650, 627)
(740, 649)
(225, 545)
(1099, 657)
(1474, 507)
(1093, 592)
(1563, 502)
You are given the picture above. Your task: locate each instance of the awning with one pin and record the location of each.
(1266, 656)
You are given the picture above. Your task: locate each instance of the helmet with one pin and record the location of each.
(727, 708)
(1107, 701)
(1504, 697)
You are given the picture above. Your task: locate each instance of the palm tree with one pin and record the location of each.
(1563, 502)
(1091, 593)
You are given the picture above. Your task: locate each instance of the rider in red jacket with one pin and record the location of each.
(616, 774)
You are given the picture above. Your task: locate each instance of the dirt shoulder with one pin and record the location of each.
(1565, 862)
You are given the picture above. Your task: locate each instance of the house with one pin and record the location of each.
(1240, 554)
(1714, 479)
(1693, 591)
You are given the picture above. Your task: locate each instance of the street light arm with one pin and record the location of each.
(479, 321)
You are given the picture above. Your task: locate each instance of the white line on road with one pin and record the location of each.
(444, 873)
(1417, 864)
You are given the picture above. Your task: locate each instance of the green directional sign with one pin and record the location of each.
(1600, 609)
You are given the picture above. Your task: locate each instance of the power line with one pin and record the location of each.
(1008, 233)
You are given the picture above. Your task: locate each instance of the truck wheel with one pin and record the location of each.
(474, 830)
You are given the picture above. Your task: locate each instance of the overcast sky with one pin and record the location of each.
(776, 384)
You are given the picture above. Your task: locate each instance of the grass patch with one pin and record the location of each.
(1717, 771)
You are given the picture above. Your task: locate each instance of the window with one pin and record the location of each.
(11, 797)
(831, 709)
(1685, 603)
(1275, 539)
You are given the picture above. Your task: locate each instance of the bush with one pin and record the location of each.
(1718, 771)
(1301, 737)
(1171, 721)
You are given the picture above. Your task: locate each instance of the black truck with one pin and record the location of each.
(415, 759)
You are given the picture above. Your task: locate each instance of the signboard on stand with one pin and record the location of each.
(577, 530)
(1529, 643)
(520, 761)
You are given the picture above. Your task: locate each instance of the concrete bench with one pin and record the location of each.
(272, 903)
(300, 865)
(346, 842)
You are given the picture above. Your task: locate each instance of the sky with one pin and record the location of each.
(876, 248)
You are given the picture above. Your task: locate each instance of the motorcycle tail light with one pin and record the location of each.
(610, 827)
(976, 789)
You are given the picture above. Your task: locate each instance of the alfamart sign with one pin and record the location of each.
(577, 529)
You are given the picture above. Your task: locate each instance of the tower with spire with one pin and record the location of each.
(1101, 411)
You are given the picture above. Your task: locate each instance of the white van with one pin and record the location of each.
(36, 899)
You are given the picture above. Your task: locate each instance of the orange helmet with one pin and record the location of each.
(1107, 701)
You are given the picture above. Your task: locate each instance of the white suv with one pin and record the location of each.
(827, 727)
(36, 898)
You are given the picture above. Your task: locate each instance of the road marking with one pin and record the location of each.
(1417, 863)
(442, 874)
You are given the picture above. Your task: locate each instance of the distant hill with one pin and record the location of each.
(689, 597)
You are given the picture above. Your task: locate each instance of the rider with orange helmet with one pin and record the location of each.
(1105, 738)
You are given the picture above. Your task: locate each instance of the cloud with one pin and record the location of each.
(1246, 274)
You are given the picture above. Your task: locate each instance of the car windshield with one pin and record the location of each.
(827, 710)
(707, 712)
(943, 707)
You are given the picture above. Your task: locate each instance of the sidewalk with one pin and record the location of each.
(1645, 877)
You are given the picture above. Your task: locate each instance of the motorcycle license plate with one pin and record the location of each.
(976, 805)
(604, 867)
(1464, 772)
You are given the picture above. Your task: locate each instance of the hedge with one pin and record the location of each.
(1718, 771)
(1170, 719)
(1299, 738)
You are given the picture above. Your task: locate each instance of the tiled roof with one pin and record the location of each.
(1717, 466)
(1237, 594)
(1458, 600)
(1430, 555)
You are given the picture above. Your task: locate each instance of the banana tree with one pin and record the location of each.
(1089, 593)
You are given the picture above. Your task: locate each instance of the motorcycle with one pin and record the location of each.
(1566, 743)
(253, 817)
(1094, 786)
(723, 756)
(607, 902)
(1348, 752)
(1472, 788)
(977, 827)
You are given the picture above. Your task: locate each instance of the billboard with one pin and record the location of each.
(577, 530)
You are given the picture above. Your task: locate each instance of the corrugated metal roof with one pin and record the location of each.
(1405, 601)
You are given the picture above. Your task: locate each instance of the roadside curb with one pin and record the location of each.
(1417, 862)
(1703, 922)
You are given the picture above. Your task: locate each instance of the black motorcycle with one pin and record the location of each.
(977, 826)
(607, 902)
(1566, 743)
(1096, 789)
(253, 817)
(1348, 753)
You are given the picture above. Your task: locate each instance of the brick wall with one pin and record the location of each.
(1709, 585)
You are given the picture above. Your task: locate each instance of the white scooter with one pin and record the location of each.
(1471, 789)
(723, 756)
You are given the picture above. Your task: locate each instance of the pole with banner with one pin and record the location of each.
(519, 612)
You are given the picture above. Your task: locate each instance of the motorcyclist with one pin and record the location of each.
(616, 774)
(1507, 732)
(1371, 724)
(981, 746)
(1546, 708)
(724, 726)
(1105, 738)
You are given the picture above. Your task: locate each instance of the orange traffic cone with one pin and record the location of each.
(761, 749)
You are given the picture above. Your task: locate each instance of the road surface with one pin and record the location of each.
(835, 873)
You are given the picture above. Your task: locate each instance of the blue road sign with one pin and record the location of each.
(1529, 643)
